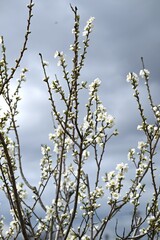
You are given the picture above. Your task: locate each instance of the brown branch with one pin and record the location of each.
(24, 47)
(13, 182)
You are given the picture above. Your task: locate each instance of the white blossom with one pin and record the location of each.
(49, 212)
(140, 170)
(85, 154)
(58, 132)
(132, 78)
(85, 237)
(12, 227)
(131, 153)
(134, 197)
(61, 58)
(122, 167)
(144, 73)
(56, 54)
(150, 128)
(110, 121)
(45, 149)
(151, 220)
(21, 192)
(94, 85)
(89, 26)
(110, 175)
(111, 184)
(85, 125)
(142, 145)
(155, 108)
(115, 195)
(100, 113)
(51, 136)
(2, 63)
(142, 231)
(45, 63)
(140, 127)
(97, 193)
(68, 143)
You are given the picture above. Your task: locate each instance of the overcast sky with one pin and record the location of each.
(124, 31)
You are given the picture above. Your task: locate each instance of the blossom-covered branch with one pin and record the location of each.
(81, 205)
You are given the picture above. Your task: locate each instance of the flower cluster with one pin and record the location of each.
(96, 121)
(102, 116)
(143, 161)
(21, 191)
(61, 58)
(133, 79)
(93, 87)
(135, 194)
(85, 154)
(82, 193)
(89, 26)
(57, 138)
(45, 163)
(154, 222)
(13, 226)
(42, 226)
(144, 73)
(68, 184)
(90, 205)
(86, 237)
(142, 146)
(114, 181)
(156, 110)
(131, 154)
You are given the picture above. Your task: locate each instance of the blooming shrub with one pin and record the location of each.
(77, 197)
